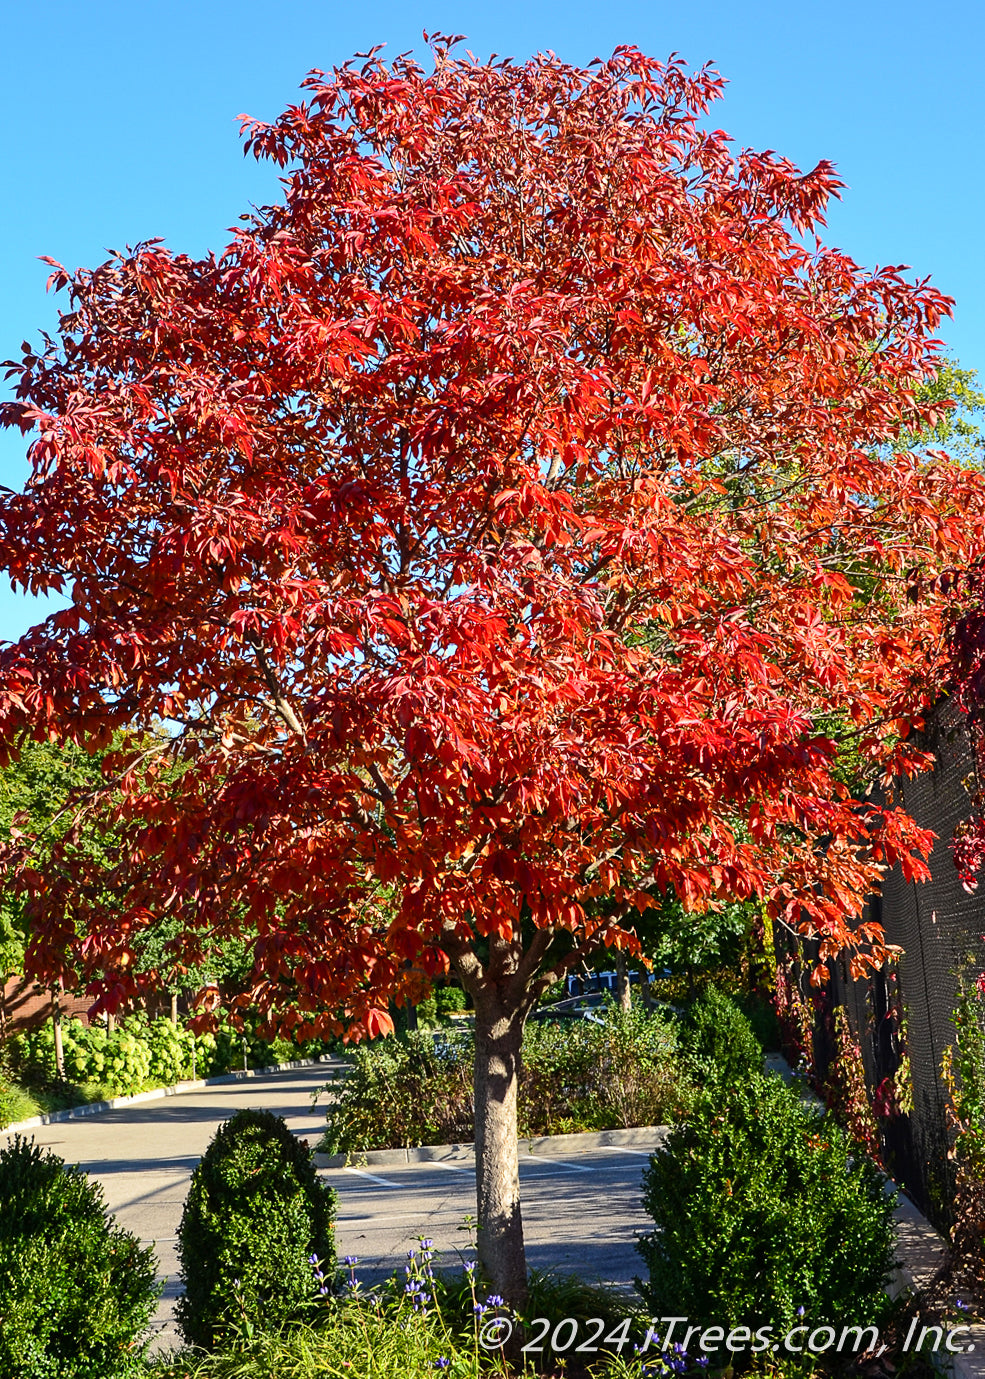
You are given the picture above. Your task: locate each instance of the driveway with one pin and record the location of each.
(581, 1209)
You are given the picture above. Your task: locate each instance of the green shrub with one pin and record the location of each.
(255, 1214)
(120, 1060)
(720, 1040)
(170, 1048)
(76, 1291)
(580, 1075)
(575, 1076)
(759, 1010)
(140, 1053)
(760, 1209)
(407, 1091)
(450, 1000)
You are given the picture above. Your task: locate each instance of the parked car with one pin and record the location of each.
(587, 1007)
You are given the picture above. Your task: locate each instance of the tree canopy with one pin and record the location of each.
(493, 524)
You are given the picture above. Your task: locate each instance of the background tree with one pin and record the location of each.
(492, 524)
(36, 794)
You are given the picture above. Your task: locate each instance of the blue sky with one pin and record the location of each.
(118, 123)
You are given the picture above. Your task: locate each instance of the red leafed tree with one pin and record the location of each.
(483, 539)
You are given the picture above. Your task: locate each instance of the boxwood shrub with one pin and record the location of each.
(760, 1209)
(76, 1291)
(255, 1215)
(719, 1039)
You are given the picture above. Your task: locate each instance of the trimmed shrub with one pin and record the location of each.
(761, 1210)
(255, 1214)
(720, 1039)
(76, 1291)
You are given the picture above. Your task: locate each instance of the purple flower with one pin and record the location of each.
(494, 1300)
(349, 1261)
(442, 1362)
(800, 1311)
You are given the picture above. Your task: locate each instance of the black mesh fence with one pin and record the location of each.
(905, 1015)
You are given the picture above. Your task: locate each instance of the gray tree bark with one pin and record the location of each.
(56, 1024)
(647, 989)
(498, 1040)
(622, 980)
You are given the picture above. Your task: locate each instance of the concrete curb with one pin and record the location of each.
(95, 1108)
(645, 1136)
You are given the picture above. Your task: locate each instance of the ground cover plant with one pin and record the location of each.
(76, 1291)
(255, 1219)
(425, 1321)
(580, 1075)
(422, 1320)
(16, 1104)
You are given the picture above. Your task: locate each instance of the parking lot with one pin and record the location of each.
(581, 1209)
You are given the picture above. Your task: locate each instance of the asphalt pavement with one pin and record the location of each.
(581, 1212)
(581, 1208)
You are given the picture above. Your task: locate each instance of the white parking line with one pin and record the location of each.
(618, 1149)
(452, 1168)
(383, 1182)
(529, 1159)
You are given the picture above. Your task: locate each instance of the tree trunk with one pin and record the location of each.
(498, 1039)
(646, 988)
(56, 1024)
(622, 981)
(174, 1008)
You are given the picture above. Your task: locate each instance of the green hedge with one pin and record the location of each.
(140, 1052)
(76, 1291)
(762, 1206)
(575, 1076)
